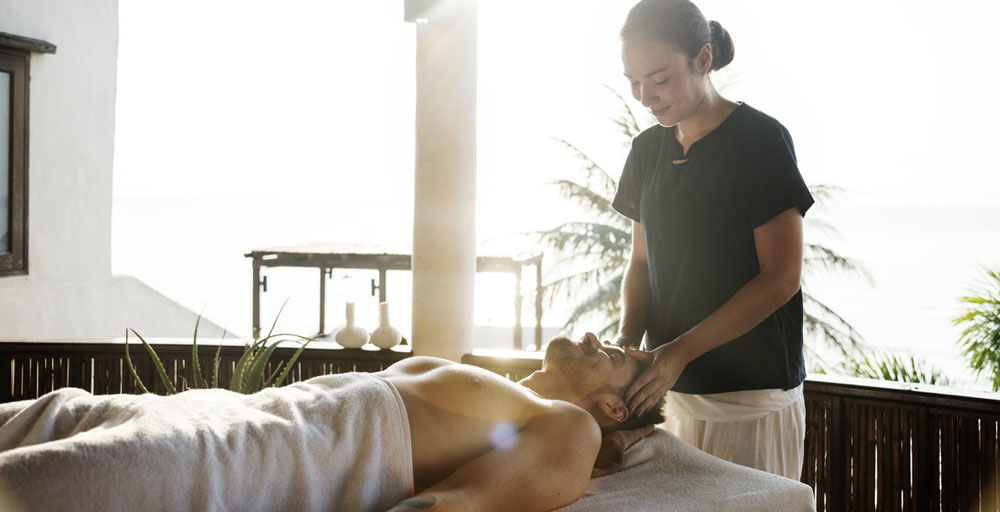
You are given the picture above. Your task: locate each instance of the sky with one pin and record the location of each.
(272, 124)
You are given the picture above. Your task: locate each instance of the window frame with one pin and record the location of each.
(16, 63)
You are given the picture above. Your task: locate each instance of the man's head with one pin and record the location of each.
(595, 375)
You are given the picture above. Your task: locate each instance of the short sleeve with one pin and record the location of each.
(627, 197)
(775, 181)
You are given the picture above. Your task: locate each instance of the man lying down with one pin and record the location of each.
(424, 434)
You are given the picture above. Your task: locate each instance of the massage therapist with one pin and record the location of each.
(717, 201)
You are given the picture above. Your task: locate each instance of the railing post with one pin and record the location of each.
(381, 284)
(538, 304)
(6, 359)
(838, 455)
(76, 370)
(322, 300)
(518, 345)
(923, 462)
(256, 297)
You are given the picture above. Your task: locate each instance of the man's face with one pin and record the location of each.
(589, 365)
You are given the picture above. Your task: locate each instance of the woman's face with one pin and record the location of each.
(662, 80)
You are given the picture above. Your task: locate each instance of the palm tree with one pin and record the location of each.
(869, 364)
(981, 337)
(591, 253)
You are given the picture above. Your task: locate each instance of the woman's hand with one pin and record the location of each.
(665, 366)
(624, 341)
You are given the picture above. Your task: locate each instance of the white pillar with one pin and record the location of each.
(444, 217)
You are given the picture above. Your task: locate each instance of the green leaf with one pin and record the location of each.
(199, 383)
(282, 308)
(274, 373)
(980, 338)
(256, 371)
(171, 390)
(215, 362)
(291, 362)
(886, 366)
(131, 367)
(242, 364)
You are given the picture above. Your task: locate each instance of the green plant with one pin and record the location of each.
(886, 366)
(248, 374)
(981, 336)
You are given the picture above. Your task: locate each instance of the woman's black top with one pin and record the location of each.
(698, 214)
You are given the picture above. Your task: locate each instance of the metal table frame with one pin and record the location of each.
(327, 261)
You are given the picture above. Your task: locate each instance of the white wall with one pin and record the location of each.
(69, 291)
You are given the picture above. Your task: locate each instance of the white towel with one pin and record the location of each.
(336, 442)
(661, 473)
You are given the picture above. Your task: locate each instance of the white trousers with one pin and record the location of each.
(762, 428)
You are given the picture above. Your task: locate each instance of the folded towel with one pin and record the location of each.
(336, 442)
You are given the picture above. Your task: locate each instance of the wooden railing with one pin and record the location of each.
(874, 445)
(31, 369)
(870, 445)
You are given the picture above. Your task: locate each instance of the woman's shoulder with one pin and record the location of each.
(650, 137)
(760, 123)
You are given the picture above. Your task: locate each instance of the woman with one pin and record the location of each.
(717, 202)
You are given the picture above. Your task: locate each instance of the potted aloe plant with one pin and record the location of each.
(248, 376)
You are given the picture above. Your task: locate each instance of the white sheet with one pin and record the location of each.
(336, 442)
(664, 474)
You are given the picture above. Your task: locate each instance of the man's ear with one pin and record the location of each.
(613, 407)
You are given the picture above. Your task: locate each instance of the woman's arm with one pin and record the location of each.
(635, 293)
(779, 252)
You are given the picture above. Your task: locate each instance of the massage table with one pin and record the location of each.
(661, 473)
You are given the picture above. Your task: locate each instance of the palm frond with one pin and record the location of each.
(886, 366)
(603, 300)
(625, 119)
(824, 192)
(813, 224)
(569, 286)
(821, 258)
(587, 238)
(822, 322)
(586, 197)
(595, 175)
(980, 338)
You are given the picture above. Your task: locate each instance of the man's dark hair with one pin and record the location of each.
(654, 416)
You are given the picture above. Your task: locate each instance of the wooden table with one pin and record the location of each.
(327, 257)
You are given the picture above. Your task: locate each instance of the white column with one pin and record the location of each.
(444, 217)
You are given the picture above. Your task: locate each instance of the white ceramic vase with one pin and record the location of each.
(385, 336)
(351, 336)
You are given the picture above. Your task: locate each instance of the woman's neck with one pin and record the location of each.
(709, 114)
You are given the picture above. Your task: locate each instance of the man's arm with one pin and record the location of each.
(635, 293)
(545, 466)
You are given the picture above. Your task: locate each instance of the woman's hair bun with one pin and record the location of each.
(723, 49)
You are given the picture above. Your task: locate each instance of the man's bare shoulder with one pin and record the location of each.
(417, 364)
(457, 378)
(482, 391)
